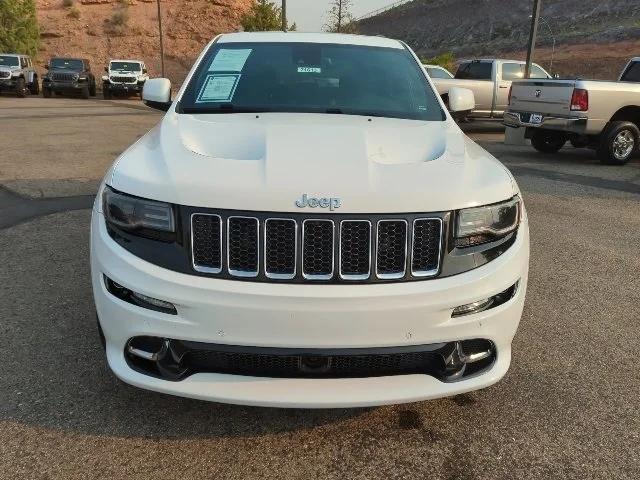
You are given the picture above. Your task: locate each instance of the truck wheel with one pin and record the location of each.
(106, 93)
(21, 88)
(85, 92)
(34, 88)
(548, 141)
(618, 143)
(92, 90)
(46, 92)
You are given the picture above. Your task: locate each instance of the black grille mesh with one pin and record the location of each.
(5, 74)
(289, 366)
(64, 77)
(318, 248)
(120, 79)
(355, 248)
(426, 245)
(280, 247)
(243, 244)
(392, 244)
(206, 241)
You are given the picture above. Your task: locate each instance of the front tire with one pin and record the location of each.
(92, 90)
(548, 141)
(21, 88)
(46, 92)
(106, 93)
(85, 92)
(618, 143)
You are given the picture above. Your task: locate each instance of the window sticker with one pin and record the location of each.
(309, 70)
(218, 88)
(230, 60)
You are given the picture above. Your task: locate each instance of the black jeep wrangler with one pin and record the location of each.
(69, 75)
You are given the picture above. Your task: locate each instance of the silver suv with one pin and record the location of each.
(18, 75)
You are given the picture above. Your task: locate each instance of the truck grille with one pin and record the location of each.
(298, 249)
(120, 79)
(5, 74)
(64, 77)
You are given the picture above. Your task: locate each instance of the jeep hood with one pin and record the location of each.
(265, 162)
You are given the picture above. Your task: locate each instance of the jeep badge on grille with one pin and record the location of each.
(330, 203)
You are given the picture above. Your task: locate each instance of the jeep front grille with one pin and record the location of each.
(336, 249)
(64, 77)
(121, 79)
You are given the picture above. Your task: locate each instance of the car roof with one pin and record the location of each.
(14, 54)
(69, 58)
(125, 60)
(301, 37)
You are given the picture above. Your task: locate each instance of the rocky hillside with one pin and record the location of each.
(103, 29)
(493, 27)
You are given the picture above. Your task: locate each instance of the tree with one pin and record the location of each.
(19, 30)
(264, 16)
(340, 19)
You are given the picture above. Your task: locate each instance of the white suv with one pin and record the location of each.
(308, 227)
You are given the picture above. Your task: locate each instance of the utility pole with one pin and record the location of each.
(535, 18)
(285, 27)
(161, 41)
(339, 15)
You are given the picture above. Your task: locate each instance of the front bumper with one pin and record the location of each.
(7, 83)
(65, 86)
(123, 87)
(306, 316)
(577, 125)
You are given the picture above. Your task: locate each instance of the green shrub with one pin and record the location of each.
(19, 27)
(74, 12)
(446, 60)
(68, 3)
(120, 17)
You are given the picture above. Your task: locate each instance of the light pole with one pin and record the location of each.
(285, 27)
(537, 6)
(161, 41)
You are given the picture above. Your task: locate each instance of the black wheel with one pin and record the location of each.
(618, 143)
(85, 92)
(106, 93)
(46, 92)
(548, 141)
(21, 88)
(34, 88)
(92, 90)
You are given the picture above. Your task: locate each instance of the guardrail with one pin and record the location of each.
(382, 10)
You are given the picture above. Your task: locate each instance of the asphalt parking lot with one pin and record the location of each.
(568, 408)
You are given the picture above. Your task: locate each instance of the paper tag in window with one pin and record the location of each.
(309, 70)
(230, 60)
(218, 88)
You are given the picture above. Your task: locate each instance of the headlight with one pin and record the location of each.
(137, 214)
(486, 224)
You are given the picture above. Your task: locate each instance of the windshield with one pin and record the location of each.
(65, 64)
(8, 61)
(125, 66)
(311, 78)
(438, 73)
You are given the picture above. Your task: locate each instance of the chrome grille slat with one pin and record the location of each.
(206, 242)
(243, 249)
(391, 249)
(427, 247)
(318, 249)
(355, 249)
(280, 248)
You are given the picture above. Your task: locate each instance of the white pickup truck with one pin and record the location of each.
(601, 115)
(489, 80)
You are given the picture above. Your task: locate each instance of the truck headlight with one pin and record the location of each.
(486, 224)
(136, 214)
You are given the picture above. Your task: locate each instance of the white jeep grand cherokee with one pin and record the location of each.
(308, 227)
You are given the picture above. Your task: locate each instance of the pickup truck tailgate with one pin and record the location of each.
(549, 97)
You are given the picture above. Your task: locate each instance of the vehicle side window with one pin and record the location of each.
(537, 72)
(512, 71)
(475, 71)
(632, 74)
(23, 62)
(437, 73)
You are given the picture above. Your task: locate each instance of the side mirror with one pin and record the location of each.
(556, 76)
(144, 70)
(106, 69)
(46, 67)
(156, 93)
(461, 100)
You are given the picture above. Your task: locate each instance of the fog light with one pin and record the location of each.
(487, 303)
(138, 299)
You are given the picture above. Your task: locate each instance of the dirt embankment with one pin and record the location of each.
(104, 29)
